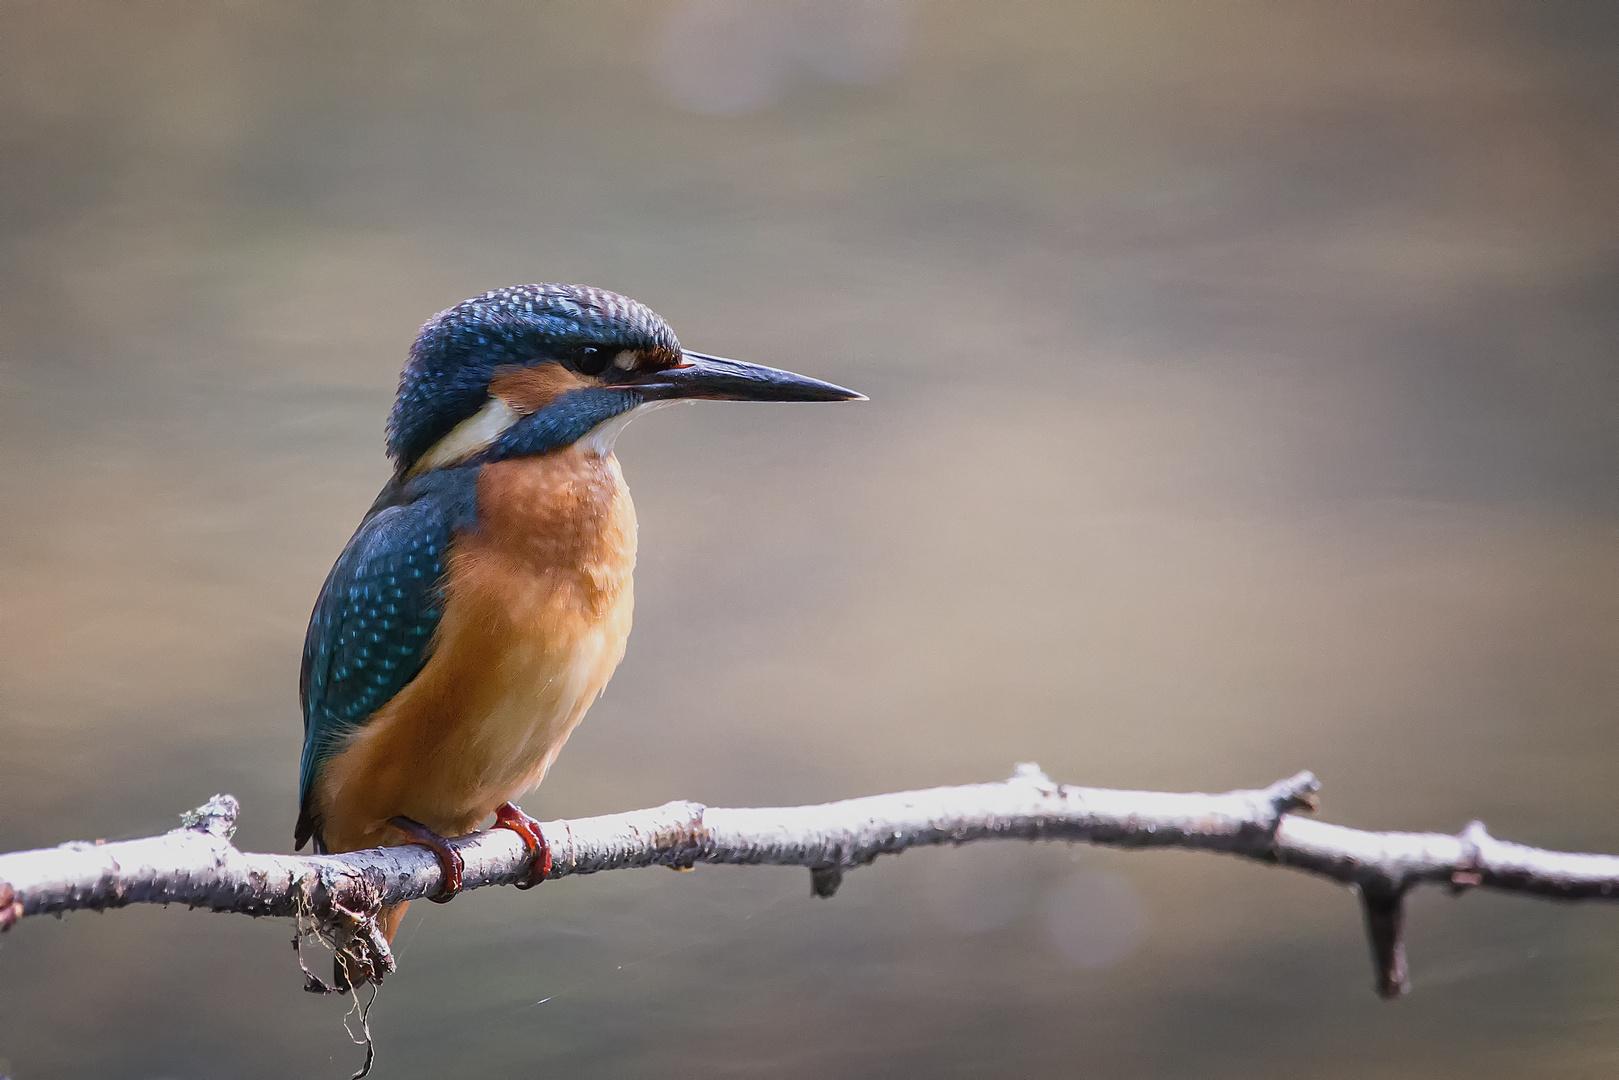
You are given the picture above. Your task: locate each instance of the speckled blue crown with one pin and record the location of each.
(447, 376)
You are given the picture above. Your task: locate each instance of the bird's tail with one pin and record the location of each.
(348, 972)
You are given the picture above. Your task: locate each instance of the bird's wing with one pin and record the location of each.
(372, 628)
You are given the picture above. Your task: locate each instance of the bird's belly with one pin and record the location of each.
(536, 691)
(519, 660)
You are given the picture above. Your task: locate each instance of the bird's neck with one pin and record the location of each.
(566, 515)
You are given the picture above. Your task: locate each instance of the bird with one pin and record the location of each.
(485, 599)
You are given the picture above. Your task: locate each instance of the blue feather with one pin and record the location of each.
(372, 628)
(563, 422)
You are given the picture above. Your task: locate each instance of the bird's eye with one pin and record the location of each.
(588, 359)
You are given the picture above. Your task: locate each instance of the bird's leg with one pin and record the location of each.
(449, 859)
(510, 816)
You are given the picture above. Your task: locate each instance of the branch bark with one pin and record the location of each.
(338, 896)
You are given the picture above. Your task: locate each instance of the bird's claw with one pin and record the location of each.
(449, 859)
(510, 816)
(11, 908)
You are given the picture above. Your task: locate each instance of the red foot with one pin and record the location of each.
(449, 859)
(508, 816)
(11, 910)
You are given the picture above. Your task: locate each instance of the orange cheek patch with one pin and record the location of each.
(530, 389)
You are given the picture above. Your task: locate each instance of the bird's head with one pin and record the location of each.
(532, 368)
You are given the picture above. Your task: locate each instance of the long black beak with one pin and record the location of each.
(715, 378)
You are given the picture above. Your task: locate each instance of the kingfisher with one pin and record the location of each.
(485, 599)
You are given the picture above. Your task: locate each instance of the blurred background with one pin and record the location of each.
(1244, 391)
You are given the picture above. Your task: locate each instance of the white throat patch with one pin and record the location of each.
(601, 438)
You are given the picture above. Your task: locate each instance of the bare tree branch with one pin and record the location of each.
(340, 895)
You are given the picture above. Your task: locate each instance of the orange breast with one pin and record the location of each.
(536, 617)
